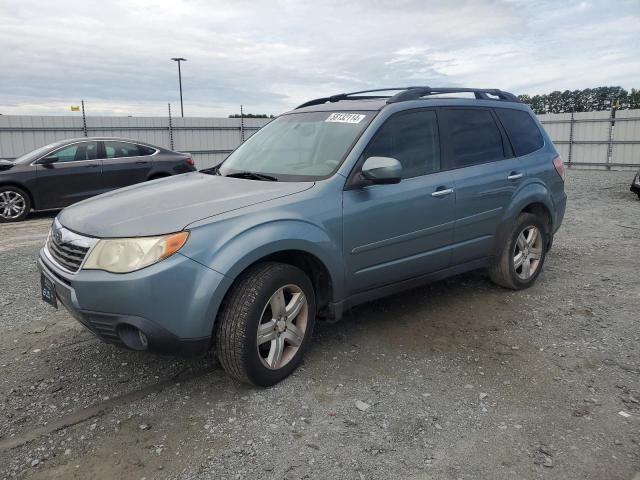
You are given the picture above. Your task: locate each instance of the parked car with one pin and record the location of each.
(635, 184)
(62, 173)
(343, 200)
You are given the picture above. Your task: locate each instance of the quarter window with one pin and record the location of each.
(523, 132)
(473, 135)
(412, 139)
(78, 151)
(124, 149)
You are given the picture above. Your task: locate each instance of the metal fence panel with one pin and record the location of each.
(586, 139)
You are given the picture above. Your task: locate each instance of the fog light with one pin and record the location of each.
(133, 337)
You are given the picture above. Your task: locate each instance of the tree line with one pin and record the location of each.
(587, 100)
(251, 115)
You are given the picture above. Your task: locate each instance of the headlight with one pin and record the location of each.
(122, 255)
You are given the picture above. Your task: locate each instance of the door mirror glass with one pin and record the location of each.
(382, 170)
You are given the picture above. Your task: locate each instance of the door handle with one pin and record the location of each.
(442, 193)
(93, 165)
(515, 176)
(141, 162)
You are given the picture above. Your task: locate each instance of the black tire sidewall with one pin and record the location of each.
(524, 221)
(27, 199)
(259, 374)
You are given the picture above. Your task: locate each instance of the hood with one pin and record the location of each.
(169, 205)
(6, 164)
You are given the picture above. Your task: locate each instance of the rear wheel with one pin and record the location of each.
(265, 323)
(523, 254)
(15, 204)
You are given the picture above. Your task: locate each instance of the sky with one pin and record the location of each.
(273, 55)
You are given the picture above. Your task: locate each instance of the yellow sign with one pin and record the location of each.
(75, 108)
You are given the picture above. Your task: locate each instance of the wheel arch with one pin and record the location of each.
(532, 198)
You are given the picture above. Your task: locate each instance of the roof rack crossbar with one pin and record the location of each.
(414, 93)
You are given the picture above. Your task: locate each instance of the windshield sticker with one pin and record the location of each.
(345, 117)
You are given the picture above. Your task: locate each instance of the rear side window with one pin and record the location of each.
(474, 136)
(124, 149)
(523, 132)
(412, 139)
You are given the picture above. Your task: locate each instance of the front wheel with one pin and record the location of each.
(15, 204)
(523, 254)
(265, 323)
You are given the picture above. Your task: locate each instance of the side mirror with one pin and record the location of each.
(382, 170)
(48, 160)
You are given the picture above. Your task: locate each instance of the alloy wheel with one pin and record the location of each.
(12, 205)
(283, 325)
(527, 252)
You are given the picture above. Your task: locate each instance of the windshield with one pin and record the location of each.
(34, 154)
(298, 146)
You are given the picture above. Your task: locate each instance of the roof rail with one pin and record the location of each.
(414, 93)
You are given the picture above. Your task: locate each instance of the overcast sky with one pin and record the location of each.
(273, 55)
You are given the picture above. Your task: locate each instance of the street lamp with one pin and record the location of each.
(180, 59)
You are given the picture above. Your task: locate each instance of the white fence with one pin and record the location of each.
(596, 140)
(209, 140)
(585, 140)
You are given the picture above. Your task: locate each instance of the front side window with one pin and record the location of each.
(412, 139)
(299, 146)
(473, 135)
(124, 149)
(77, 152)
(523, 132)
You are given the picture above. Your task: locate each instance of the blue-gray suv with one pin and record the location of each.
(343, 200)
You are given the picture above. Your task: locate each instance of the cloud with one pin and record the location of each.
(271, 56)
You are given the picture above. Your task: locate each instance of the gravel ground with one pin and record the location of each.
(456, 380)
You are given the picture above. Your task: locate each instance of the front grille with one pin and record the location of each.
(68, 256)
(67, 249)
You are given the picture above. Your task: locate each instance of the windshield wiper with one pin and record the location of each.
(252, 175)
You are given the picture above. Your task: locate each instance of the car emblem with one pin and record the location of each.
(57, 236)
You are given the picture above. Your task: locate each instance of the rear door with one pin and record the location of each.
(486, 177)
(74, 176)
(125, 163)
(396, 232)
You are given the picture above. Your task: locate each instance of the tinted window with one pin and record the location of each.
(124, 149)
(412, 139)
(474, 136)
(78, 151)
(523, 132)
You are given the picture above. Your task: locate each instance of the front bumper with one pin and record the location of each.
(174, 303)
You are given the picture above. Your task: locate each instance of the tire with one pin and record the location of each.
(505, 272)
(252, 302)
(15, 204)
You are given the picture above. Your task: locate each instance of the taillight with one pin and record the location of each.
(190, 162)
(559, 165)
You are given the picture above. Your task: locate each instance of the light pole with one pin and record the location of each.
(180, 59)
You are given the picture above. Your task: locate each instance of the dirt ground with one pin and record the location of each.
(463, 379)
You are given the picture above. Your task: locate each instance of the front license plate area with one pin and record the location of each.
(48, 290)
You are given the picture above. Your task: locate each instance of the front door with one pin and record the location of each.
(400, 231)
(75, 175)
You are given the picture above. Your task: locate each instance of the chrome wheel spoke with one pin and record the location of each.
(522, 241)
(533, 236)
(518, 260)
(275, 352)
(294, 306)
(526, 268)
(293, 335)
(278, 305)
(267, 332)
(535, 253)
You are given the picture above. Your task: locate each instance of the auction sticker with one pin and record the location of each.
(345, 117)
